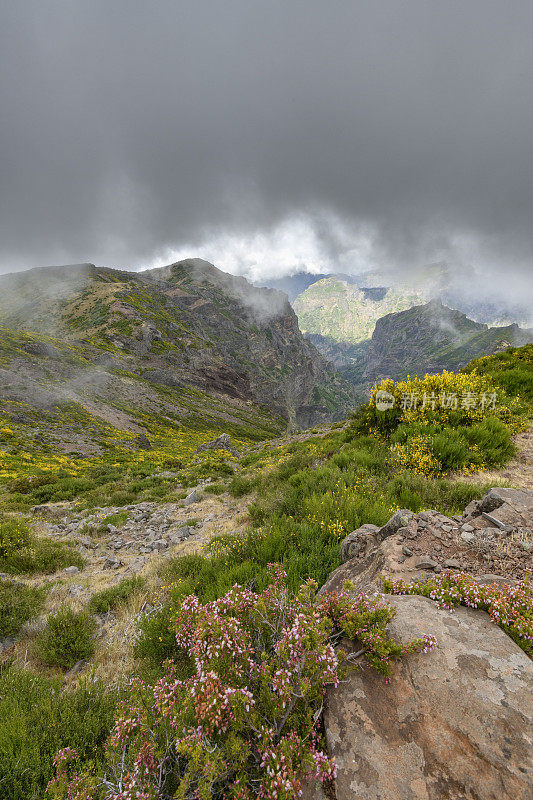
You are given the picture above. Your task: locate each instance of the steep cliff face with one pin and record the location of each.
(431, 338)
(338, 314)
(187, 325)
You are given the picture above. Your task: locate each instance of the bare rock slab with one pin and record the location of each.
(455, 723)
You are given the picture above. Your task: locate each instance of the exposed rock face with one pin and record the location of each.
(431, 338)
(454, 723)
(222, 442)
(481, 542)
(184, 326)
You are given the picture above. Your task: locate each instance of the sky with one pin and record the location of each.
(268, 137)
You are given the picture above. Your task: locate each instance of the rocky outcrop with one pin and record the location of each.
(431, 338)
(453, 724)
(188, 326)
(222, 442)
(493, 536)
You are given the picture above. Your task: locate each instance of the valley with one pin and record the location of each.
(150, 460)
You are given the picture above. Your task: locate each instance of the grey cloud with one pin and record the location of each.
(133, 128)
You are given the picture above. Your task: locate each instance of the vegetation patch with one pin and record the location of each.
(446, 422)
(23, 553)
(37, 719)
(245, 722)
(18, 604)
(67, 638)
(108, 599)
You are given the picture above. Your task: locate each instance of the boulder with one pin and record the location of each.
(425, 562)
(192, 497)
(521, 500)
(454, 723)
(357, 542)
(222, 442)
(400, 519)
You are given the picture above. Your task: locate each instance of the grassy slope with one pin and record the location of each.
(341, 312)
(304, 497)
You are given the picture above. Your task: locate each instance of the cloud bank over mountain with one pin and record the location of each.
(268, 137)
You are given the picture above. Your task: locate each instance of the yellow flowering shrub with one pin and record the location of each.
(447, 397)
(415, 455)
(448, 421)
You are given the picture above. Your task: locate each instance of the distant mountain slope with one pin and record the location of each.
(294, 285)
(187, 341)
(347, 313)
(428, 338)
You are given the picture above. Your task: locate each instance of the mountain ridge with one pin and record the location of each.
(127, 344)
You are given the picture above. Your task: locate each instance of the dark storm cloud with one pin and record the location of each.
(392, 132)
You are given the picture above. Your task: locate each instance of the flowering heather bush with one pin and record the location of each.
(510, 607)
(246, 723)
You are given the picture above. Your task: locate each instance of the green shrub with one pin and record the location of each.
(215, 488)
(157, 643)
(37, 719)
(240, 486)
(22, 553)
(41, 556)
(108, 599)
(18, 604)
(493, 440)
(14, 535)
(67, 638)
(512, 370)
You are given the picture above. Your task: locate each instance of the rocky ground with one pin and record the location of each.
(494, 536)
(456, 722)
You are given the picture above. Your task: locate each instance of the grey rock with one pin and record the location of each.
(399, 519)
(468, 537)
(222, 442)
(191, 498)
(76, 590)
(425, 562)
(358, 541)
(467, 527)
(472, 509)
(495, 521)
(88, 543)
(71, 570)
(452, 563)
(407, 552)
(454, 723)
(521, 500)
(160, 544)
